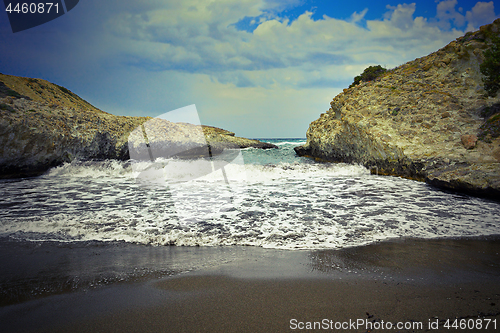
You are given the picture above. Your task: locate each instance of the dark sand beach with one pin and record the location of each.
(250, 289)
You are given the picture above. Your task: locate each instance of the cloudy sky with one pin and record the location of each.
(260, 68)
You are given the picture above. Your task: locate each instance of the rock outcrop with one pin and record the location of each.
(43, 125)
(161, 138)
(428, 119)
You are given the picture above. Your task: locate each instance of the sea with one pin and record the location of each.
(138, 213)
(272, 198)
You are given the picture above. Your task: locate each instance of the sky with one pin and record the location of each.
(259, 68)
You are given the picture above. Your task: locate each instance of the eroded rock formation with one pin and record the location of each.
(428, 119)
(43, 125)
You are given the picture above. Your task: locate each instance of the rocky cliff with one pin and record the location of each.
(43, 125)
(428, 119)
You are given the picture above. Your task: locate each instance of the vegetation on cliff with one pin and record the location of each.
(369, 74)
(490, 67)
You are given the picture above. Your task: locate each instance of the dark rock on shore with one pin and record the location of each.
(429, 119)
(44, 125)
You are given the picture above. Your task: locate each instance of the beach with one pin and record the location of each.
(406, 282)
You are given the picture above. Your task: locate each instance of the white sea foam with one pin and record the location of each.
(85, 169)
(164, 170)
(286, 205)
(294, 143)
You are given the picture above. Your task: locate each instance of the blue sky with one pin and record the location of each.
(258, 68)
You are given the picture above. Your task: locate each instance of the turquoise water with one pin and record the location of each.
(285, 153)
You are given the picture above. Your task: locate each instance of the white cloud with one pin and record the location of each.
(261, 112)
(446, 12)
(277, 52)
(356, 17)
(482, 13)
(400, 16)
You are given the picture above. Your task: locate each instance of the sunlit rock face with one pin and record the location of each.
(428, 119)
(43, 125)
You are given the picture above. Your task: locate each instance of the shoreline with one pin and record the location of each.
(246, 289)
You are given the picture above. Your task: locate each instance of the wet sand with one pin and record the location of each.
(262, 290)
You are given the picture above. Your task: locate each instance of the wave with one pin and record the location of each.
(92, 169)
(182, 170)
(312, 172)
(295, 143)
(267, 198)
(288, 206)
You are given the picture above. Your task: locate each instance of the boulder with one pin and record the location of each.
(469, 141)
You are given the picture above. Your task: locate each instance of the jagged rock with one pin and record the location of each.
(410, 121)
(479, 179)
(43, 125)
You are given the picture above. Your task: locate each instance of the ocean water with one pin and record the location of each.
(264, 198)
